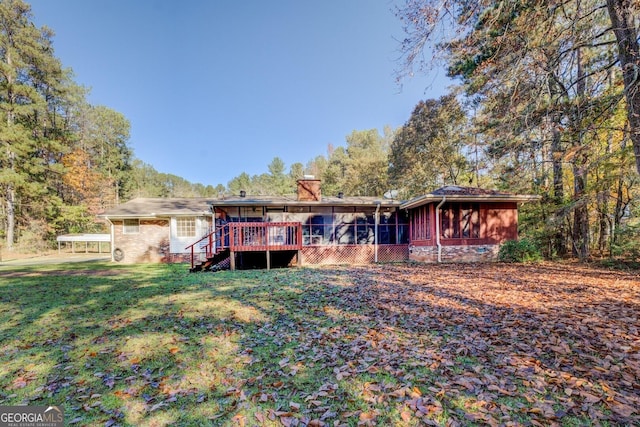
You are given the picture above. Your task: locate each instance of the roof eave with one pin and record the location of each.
(130, 216)
(419, 201)
(303, 203)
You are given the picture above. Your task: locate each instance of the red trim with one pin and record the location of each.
(265, 236)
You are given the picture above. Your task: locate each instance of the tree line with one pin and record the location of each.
(62, 160)
(554, 93)
(544, 105)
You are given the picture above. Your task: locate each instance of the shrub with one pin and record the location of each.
(34, 238)
(627, 246)
(524, 250)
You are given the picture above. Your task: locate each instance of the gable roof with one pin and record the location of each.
(457, 193)
(163, 207)
(160, 207)
(293, 201)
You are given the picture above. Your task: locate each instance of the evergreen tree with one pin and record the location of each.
(427, 152)
(30, 83)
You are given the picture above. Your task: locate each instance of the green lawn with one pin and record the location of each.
(380, 345)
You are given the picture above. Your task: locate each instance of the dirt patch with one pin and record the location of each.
(66, 273)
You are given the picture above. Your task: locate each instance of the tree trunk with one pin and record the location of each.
(11, 217)
(580, 208)
(559, 237)
(603, 221)
(580, 213)
(620, 205)
(622, 21)
(11, 191)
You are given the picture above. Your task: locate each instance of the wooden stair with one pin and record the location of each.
(216, 252)
(219, 261)
(237, 237)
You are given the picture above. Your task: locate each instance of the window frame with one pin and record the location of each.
(180, 228)
(130, 228)
(461, 220)
(421, 223)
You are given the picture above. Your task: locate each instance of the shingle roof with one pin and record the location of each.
(159, 207)
(166, 206)
(451, 190)
(466, 194)
(293, 201)
(192, 206)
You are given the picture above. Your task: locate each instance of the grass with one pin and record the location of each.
(386, 345)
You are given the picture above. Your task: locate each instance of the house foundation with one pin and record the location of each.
(467, 253)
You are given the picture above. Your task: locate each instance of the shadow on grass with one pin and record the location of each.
(154, 345)
(134, 345)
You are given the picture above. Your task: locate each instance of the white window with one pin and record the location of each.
(186, 227)
(131, 226)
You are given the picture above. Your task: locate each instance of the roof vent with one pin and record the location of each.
(243, 193)
(391, 194)
(341, 195)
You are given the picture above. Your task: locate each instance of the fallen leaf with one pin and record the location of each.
(287, 421)
(623, 410)
(19, 382)
(295, 407)
(239, 420)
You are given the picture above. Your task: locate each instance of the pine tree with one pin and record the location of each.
(30, 81)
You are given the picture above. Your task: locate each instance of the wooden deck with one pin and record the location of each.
(248, 237)
(264, 236)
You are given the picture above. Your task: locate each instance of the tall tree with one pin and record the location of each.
(425, 22)
(357, 169)
(278, 181)
(296, 171)
(30, 77)
(625, 24)
(317, 166)
(367, 164)
(240, 183)
(106, 138)
(541, 72)
(427, 151)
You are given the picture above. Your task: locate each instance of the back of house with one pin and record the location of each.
(450, 224)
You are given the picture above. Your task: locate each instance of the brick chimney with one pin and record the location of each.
(309, 189)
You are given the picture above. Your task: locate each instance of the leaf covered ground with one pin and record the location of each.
(454, 344)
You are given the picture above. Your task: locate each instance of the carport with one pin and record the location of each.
(86, 239)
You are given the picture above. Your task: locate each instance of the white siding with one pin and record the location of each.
(178, 244)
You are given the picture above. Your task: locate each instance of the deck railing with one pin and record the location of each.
(248, 236)
(206, 244)
(264, 236)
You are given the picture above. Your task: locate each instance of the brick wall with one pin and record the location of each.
(466, 253)
(151, 244)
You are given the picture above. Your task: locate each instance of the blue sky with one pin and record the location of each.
(219, 87)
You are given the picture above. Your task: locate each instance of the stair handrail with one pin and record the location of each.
(212, 239)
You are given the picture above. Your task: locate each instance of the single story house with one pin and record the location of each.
(451, 224)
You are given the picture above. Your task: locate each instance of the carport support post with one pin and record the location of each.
(232, 260)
